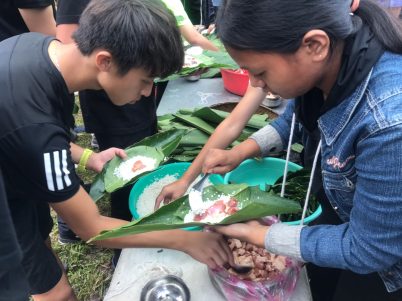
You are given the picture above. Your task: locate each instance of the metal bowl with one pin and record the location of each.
(166, 288)
(193, 78)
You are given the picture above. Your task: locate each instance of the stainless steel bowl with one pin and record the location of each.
(193, 78)
(166, 288)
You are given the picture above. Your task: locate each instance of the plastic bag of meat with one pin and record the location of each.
(272, 277)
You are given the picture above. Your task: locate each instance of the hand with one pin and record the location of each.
(209, 248)
(171, 192)
(252, 232)
(211, 29)
(220, 161)
(97, 160)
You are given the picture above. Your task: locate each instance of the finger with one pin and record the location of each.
(221, 169)
(121, 153)
(210, 262)
(220, 229)
(220, 256)
(167, 200)
(253, 223)
(228, 252)
(158, 201)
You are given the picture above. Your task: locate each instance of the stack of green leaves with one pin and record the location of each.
(199, 124)
(252, 202)
(211, 61)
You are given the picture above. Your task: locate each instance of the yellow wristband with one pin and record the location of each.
(84, 160)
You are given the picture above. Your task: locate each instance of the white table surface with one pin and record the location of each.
(137, 266)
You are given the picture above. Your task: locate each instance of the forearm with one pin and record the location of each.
(39, 20)
(192, 36)
(246, 150)
(274, 137)
(282, 239)
(228, 130)
(82, 216)
(76, 152)
(223, 136)
(171, 239)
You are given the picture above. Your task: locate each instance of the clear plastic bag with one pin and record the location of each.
(278, 287)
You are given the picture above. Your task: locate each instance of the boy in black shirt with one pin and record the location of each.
(121, 45)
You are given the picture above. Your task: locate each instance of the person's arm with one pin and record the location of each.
(96, 161)
(227, 131)
(83, 217)
(191, 35)
(39, 19)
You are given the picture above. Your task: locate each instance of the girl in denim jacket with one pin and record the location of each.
(341, 63)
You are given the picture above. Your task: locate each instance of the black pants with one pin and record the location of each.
(328, 284)
(193, 8)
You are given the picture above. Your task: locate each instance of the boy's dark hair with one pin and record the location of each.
(280, 25)
(138, 34)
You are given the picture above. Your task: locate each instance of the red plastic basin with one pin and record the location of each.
(235, 81)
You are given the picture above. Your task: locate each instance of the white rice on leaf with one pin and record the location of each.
(146, 201)
(126, 171)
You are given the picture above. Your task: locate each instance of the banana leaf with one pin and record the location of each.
(253, 204)
(212, 60)
(211, 72)
(113, 182)
(183, 158)
(165, 142)
(196, 122)
(296, 188)
(257, 121)
(97, 190)
(194, 137)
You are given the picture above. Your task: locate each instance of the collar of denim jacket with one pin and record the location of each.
(334, 121)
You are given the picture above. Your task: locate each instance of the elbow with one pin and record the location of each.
(369, 260)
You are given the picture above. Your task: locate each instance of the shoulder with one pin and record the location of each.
(384, 90)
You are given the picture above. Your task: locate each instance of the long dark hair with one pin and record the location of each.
(279, 25)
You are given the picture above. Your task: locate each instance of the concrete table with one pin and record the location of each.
(137, 266)
(182, 94)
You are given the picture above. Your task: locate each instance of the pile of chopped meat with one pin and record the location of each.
(265, 265)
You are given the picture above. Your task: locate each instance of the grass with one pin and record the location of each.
(89, 267)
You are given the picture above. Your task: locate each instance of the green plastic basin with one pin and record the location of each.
(174, 169)
(265, 172)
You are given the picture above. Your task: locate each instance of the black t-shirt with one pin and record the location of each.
(35, 109)
(100, 114)
(11, 22)
(10, 253)
(69, 11)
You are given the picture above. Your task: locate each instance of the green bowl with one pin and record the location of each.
(265, 172)
(174, 169)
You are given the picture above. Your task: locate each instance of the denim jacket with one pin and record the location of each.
(361, 161)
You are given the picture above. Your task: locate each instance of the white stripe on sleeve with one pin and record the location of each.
(57, 170)
(48, 171)
(65, 170)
